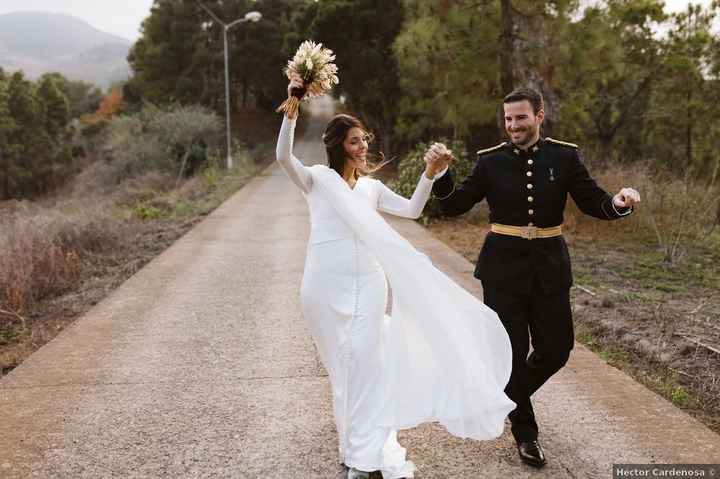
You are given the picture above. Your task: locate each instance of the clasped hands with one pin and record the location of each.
(437, 158)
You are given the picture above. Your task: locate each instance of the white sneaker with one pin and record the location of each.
(355, 474)
(407, 471)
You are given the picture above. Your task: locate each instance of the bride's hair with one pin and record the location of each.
(335, 133)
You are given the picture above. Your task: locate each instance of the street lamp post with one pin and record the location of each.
(250, 16)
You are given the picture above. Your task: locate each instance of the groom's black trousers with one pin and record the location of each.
(545, 320)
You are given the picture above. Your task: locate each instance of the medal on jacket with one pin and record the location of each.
(552, 176)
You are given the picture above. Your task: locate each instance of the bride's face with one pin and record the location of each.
(356, 146)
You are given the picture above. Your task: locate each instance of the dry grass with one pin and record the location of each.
(676, 216)
(47, 246)
(43, 252)
(46, 253)
(61, 256)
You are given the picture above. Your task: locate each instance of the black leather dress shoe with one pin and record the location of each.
(531, 453)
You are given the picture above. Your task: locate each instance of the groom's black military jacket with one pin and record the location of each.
(526, 189)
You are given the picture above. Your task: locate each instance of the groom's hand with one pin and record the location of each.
(626, 198)
(437, 158)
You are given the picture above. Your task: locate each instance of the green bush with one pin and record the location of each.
(145, 211)
(163, 140)
(212, 174)
(413, 165)
(680, 397)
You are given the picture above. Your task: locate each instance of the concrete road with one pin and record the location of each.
(201, 365)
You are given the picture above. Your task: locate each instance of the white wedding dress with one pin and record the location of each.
(443, 356)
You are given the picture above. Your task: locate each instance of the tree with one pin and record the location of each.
(168, 60)
(54, 107)
(25, 136)
(180, 55)
(611, 68)
(259, 53)
(458, 59)
(7, 125)
(110, 105)
(534, 38)
(82, 97)
(300, 22)
(34, 136)
(507, 50)
(448, 57)
(363, 40)
(687, 91)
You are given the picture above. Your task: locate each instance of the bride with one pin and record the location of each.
(443, 356)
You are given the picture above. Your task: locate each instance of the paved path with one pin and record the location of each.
(200, 366)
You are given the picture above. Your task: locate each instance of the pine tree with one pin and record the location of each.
(82, 97)
(54, 105)
(168, 61)
(53, 162)
(7, 125)
(25, 137)
(687, 92)
(361, 33)
(449, 63)
(180, 55)
(606, 83)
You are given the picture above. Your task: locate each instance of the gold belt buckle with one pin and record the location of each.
(530, 232)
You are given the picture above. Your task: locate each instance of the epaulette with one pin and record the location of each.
(488, 150)
(564, 143)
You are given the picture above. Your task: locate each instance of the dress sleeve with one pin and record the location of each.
(294, 169)
(391, 202)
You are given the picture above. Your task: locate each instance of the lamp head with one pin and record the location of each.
(253, 16)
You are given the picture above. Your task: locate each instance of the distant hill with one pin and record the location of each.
(38, 42)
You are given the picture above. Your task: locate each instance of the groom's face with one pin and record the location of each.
(522, 124)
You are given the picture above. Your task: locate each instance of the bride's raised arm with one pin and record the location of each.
(295, 170)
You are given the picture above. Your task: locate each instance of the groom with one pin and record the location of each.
(524, 264)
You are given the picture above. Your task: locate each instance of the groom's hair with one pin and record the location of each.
(520, 94)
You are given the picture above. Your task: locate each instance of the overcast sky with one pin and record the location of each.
(123, 18)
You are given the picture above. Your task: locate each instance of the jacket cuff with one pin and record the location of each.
(443, 185)
(614, 212)
(622, 211)
(441, 173)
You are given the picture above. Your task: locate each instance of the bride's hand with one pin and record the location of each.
(296, 82)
